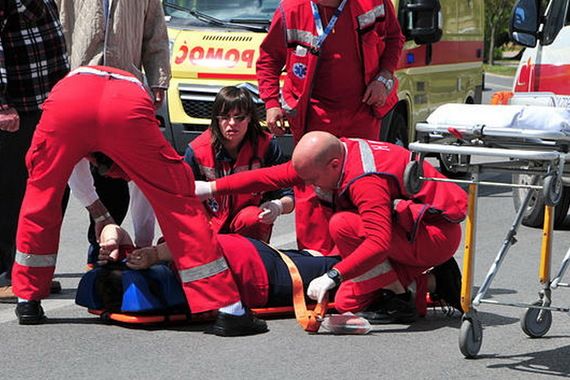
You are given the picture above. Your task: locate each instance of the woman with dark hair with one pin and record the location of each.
(235, 142)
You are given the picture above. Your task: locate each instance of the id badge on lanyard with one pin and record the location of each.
(323, 34)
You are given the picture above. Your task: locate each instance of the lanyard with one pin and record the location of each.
(323, 34)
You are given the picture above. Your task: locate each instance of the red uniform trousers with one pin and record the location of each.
(246, 223)
(435, 243)
(88, 113)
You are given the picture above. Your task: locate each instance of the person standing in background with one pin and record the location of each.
(32, 59)
(339, 59)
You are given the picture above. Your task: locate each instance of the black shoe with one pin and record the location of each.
(55, 287)
(391, 308)
(232, 325)
(447, 284)
(30, 313)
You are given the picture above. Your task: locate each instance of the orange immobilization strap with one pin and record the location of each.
(310, 320)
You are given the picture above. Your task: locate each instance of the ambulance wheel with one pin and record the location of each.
(534, 213)
(449, 164)
(552, 189)
(412, 180)
(536, 322)
(398, 130)
(470, 337)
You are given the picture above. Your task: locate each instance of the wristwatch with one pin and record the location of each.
(335, 276)
(388, 83)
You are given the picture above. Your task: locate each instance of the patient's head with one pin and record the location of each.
(109, 286)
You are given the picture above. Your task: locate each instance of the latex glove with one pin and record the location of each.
(203, 190)
(271, 211)
(319, 287)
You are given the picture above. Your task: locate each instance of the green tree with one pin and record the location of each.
(497, 16)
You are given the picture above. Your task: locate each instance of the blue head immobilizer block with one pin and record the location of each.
(86, 295)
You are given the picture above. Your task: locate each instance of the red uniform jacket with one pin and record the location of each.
(223, 208)
(290, 42)
(369, 179)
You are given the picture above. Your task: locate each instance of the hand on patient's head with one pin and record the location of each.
(142, 258)
(112, 236)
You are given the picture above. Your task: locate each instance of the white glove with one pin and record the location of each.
(271, 210)
(319, 287)
(203, 190)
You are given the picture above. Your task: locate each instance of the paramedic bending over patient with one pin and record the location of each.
(117, 118)
(235, 142)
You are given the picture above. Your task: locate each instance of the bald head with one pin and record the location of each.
(318, 154)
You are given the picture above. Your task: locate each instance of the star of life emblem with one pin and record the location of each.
(213, 205)
(300, 70)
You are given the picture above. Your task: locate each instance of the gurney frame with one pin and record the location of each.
(541, 154)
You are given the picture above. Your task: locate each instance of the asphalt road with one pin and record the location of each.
(75, 344)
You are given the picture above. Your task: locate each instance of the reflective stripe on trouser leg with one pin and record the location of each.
(35, 261)
(203, 271)
(358, 293)
(32, 274)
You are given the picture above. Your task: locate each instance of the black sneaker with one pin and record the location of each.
(233, 325)
(55, 287)
(391, 308)
(447, 284)
(30, 313)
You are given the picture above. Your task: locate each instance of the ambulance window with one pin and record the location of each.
(556, 18)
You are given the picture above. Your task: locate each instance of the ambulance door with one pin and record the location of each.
(441, 75)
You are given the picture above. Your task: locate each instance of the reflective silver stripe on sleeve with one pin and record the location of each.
(368, 18)
(297, 35)
(378, 270)
(366, 156)
(286, 107)
(203, 271)
(35, 261)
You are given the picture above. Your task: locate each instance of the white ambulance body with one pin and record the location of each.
(542, 77)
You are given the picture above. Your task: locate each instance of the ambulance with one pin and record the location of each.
(543, 78)
(215, 43)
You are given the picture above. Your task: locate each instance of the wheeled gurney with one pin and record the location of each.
(518, 139)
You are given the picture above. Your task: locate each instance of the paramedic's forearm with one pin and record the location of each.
(259, 180)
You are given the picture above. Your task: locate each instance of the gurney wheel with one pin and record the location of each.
(470, 337)
(412, 174)
(552, 189)
(536, 322)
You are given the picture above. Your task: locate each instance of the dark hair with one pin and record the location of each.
(228, 99)
(109, 286)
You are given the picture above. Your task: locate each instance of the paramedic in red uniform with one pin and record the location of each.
(339, 58)
(107, 110)
(234, 142)
(387, 238)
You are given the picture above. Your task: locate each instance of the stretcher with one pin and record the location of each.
(154, 296)
(532, 140)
